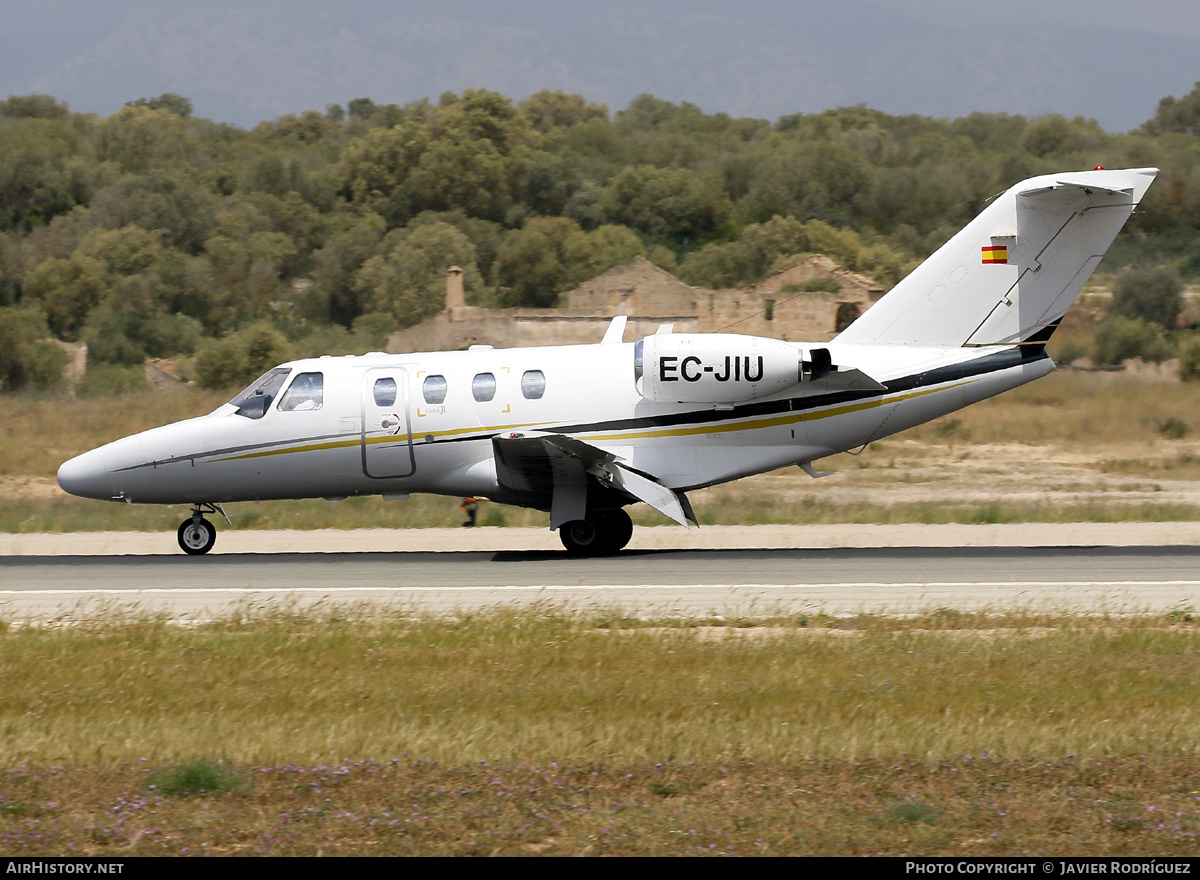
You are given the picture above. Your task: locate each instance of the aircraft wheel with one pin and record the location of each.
(582, 537)
(617, 528)
(197, 537)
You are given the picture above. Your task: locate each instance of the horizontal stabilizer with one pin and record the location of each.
(1083, 186)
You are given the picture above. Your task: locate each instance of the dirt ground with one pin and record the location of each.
(901, 471)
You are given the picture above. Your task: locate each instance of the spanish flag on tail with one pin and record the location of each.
(997, 253)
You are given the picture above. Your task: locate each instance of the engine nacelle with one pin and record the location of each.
(720, 367)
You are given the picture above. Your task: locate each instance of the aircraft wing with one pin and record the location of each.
(565, 468)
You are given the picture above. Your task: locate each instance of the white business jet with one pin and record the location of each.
(582, 431)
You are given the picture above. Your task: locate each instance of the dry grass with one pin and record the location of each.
(539, 685)
(39, 434)
(970, 805)
(550, 733)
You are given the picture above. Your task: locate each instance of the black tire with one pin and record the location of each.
(582, 537)
(617, 528)
(196, 539)
(602, 534)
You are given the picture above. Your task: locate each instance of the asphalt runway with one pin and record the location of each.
(840, 581)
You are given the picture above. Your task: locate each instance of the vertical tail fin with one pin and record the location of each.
(1011, 274)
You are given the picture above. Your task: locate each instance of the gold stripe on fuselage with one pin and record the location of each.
(634, 434)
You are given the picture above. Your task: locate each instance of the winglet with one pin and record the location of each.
(615, 334)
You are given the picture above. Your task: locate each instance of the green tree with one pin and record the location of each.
(485, 235)
(333, 296)
(407, 279)
(1119, 338)
(375, 169)
(551, 255)
(240, 357)
(994, 132)
(805, 179)
(172, 103)
(531, 265)
(181, 211)
(249, 271)
(27, 359)
(765, 248)
(599, 250)
(667, 205)
(310, 127)
(550, 180)
(108, 335)
(129, 250)
(33, 107)
(547, 110)
(1176, 115)
(360, 108)
(67, 290)
(459, 172)
(1189, 359)
(141, 139)
(1154, 295)
(46, 169)
(475, 161)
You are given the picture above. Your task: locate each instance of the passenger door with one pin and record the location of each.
(386, 424)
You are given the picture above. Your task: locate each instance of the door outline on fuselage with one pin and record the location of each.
(372, 445)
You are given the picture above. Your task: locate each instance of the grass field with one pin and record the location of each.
(568, 733)
(1075, 446)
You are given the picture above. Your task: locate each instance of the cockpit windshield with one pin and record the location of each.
(256, 399)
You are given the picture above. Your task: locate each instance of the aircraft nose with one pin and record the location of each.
(85, 476)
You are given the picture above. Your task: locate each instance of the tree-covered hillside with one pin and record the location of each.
(155, 233)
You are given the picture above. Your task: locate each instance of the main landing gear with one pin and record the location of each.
(603, 533)
(197, 535)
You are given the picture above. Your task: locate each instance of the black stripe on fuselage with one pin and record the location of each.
(229, 450)
(990, 363)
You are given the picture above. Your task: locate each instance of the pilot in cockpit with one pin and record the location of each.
(305, 393)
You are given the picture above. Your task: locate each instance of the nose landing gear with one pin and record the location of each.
(197, 535)
(602, 533)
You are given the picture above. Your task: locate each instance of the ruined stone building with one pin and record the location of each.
(650, 297)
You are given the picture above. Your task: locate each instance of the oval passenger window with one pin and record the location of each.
(434, 389)
(533, 384)
(483, 387)
(385, 392)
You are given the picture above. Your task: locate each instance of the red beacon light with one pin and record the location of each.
(1098, 168)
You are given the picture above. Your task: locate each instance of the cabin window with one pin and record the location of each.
(533, 384)
(483, 387)
(256, 399)
(434, 389)
(385, 392)
(306, 393)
